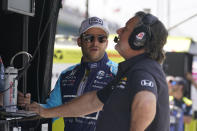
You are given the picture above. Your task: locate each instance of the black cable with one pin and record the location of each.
(38, 63)
(37, 72)
(37, 77)
(37, 124)
(1, 92)
(37, 48)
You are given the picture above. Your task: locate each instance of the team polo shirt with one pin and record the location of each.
(134, 75)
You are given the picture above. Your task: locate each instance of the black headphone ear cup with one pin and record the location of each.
(139, 37)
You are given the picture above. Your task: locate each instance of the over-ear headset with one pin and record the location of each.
(141, 34)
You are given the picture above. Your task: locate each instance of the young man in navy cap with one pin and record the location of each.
(137, 99)
(93, 73)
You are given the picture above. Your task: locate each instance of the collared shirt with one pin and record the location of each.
(134, 75)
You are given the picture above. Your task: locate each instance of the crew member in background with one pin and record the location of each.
(181, 106)
(93, 73)
(170, 82)
(137, 99)
(192, 126)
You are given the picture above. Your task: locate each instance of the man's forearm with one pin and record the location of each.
(143, 110)
(80, 106)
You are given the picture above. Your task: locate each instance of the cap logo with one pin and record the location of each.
(95, 20)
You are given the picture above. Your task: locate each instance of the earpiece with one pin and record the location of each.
(141, 35)
(138, 38)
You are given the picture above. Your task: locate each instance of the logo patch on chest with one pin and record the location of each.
(122, 83)
(100, 74)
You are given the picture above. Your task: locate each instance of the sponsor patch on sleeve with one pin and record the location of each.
(147, 83)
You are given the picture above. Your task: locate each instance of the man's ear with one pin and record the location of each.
(79, 41)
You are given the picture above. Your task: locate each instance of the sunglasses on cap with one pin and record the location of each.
(172, 82)
(89, 38)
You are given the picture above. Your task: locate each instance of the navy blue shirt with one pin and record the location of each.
(134, 75)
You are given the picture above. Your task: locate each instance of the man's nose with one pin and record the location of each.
(95, 41)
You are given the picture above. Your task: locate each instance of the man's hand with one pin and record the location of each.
(83, 105)
(37, 108)
(23, 100)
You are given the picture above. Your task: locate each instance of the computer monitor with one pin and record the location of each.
(25, 7)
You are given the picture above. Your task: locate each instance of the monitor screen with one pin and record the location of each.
(25, 7)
